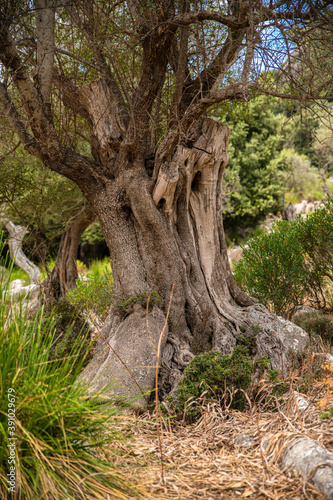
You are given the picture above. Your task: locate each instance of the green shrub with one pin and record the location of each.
(316, 323)
(316, 236)
(93, 294)
(63, 438)
(208, 375)
(273, 269)
(328, 414)
(96, 294)
(291, 264)
(93, 234)
(69, 328)
(99, 267)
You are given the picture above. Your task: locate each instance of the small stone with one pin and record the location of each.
(244, 440)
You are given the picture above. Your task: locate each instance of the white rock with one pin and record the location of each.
(16, 285)
(300, 207)
(309, 208)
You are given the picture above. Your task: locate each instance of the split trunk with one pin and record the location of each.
(165, 229)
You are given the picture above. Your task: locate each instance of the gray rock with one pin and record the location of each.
(301, 207)
(16, 292)
(289, 213)
(136, 347)
(276, 335)
(244, 440)
(329, 358)
(309, 208)
(301, 310)
(296, 399)
(304, 455)
(235, 253)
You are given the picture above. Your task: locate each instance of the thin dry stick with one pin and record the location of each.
(259, 438)
(126, 367)
(147, 323)
(290, 391)
(171, 435)
(157, 407)
(298, 413)
(282, 368)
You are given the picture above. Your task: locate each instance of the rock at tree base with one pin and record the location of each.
(136, 344)
(274, 336)
(304, 455)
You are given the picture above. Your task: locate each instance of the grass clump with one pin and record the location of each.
(213, 376)
(63, 439)
(93, 293)
(69, 329)
(327, 414)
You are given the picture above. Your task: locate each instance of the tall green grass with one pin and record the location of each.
(65, 442)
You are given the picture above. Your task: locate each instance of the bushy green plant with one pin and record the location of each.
(315, 234)
(62, 436)
(278, 386)
(99, 267)
(292, 263)
(273, 268)
(254, 182)
(93, 234)
(316, 323)
(69, 329)
(328, 414)
(93, 293)
(207, 377)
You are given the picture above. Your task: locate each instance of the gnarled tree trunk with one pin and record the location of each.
(64, 274)
(170, 232)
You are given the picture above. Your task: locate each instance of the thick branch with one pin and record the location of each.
(45, 17)
(17, 234)
(181, 64)
(282, 95)
(64, 273)
(104, 113)
(70, 95)
(88, 32)
(212, 75)
(41, 126)
(250, 43)
(12, 115)
(207, 15)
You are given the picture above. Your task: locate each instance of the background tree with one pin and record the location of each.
(142, 76)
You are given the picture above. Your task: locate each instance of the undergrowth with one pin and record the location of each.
(292, 264)
(63, 442)
(212, 376)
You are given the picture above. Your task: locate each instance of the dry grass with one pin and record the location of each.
(204, 460)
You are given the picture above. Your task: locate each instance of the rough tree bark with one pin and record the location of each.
(64, 274)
